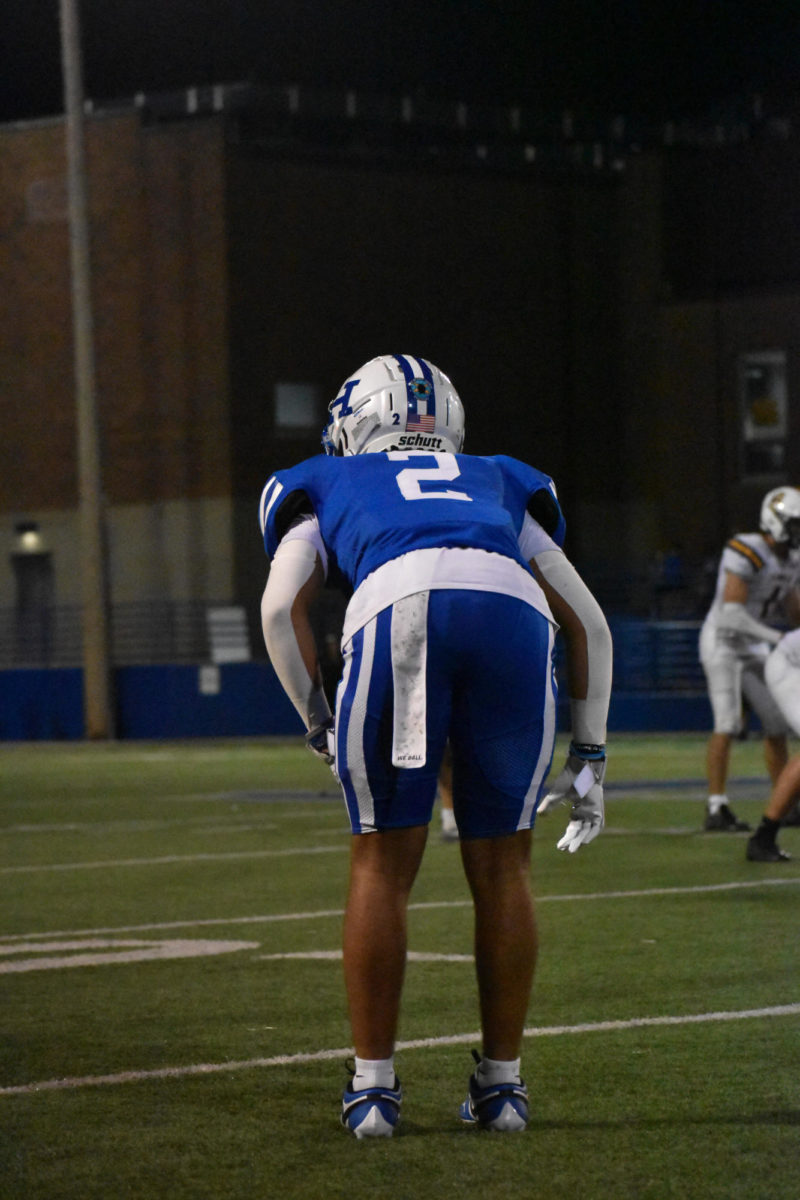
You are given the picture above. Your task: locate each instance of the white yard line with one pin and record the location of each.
(283, 1060)
(336, 955)
(325, 913)
(197, 825)
(170, 859)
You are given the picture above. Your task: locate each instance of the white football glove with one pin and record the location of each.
(321, 742)
(581, 784)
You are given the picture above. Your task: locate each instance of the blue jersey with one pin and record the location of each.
(375, 507)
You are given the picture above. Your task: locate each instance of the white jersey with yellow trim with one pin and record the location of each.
(770, 579)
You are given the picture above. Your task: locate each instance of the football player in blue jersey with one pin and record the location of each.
(458, 585)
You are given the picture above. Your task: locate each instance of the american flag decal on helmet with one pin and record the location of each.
(418, 424)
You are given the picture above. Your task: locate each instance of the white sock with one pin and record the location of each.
(492, 1070)
(448, 820)
(373, 1072)
(715, 802)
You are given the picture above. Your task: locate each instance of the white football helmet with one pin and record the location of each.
(395, 402)
(780, 515)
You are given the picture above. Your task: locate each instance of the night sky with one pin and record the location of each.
(603, 57)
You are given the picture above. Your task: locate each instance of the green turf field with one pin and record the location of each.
(173, 1013)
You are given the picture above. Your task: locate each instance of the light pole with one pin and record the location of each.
(97, 678)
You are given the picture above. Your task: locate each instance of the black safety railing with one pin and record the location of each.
(141, 632)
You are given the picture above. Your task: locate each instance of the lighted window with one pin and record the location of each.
(298, 407)
(764, 407)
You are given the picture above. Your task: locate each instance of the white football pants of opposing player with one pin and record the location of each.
(782, 675)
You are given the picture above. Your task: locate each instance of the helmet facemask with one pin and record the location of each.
(792, 527)
(780, 516)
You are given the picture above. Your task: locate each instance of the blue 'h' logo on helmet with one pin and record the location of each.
(338, 408)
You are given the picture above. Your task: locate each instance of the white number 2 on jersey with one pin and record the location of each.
(408, 480)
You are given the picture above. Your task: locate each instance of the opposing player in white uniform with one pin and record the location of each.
(782, 674)
(448, 636)
(754, 604)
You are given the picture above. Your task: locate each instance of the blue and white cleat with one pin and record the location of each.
(373, 1111)
(501, 1107)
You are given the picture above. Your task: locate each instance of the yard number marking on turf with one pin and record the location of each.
(97, 952)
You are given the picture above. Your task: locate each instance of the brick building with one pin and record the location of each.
(626, 319)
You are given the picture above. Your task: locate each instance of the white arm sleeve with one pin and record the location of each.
(734, 618)
(306, 528)
(590, 715)
(291, 567)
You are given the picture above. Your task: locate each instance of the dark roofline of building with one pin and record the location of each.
(295, 121)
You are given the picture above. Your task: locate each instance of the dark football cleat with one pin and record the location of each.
(758, 851)
(724, 821)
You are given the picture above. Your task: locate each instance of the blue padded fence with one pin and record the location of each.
(658, 685)
(232, 700)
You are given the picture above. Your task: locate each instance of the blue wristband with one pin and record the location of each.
(592, 753)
